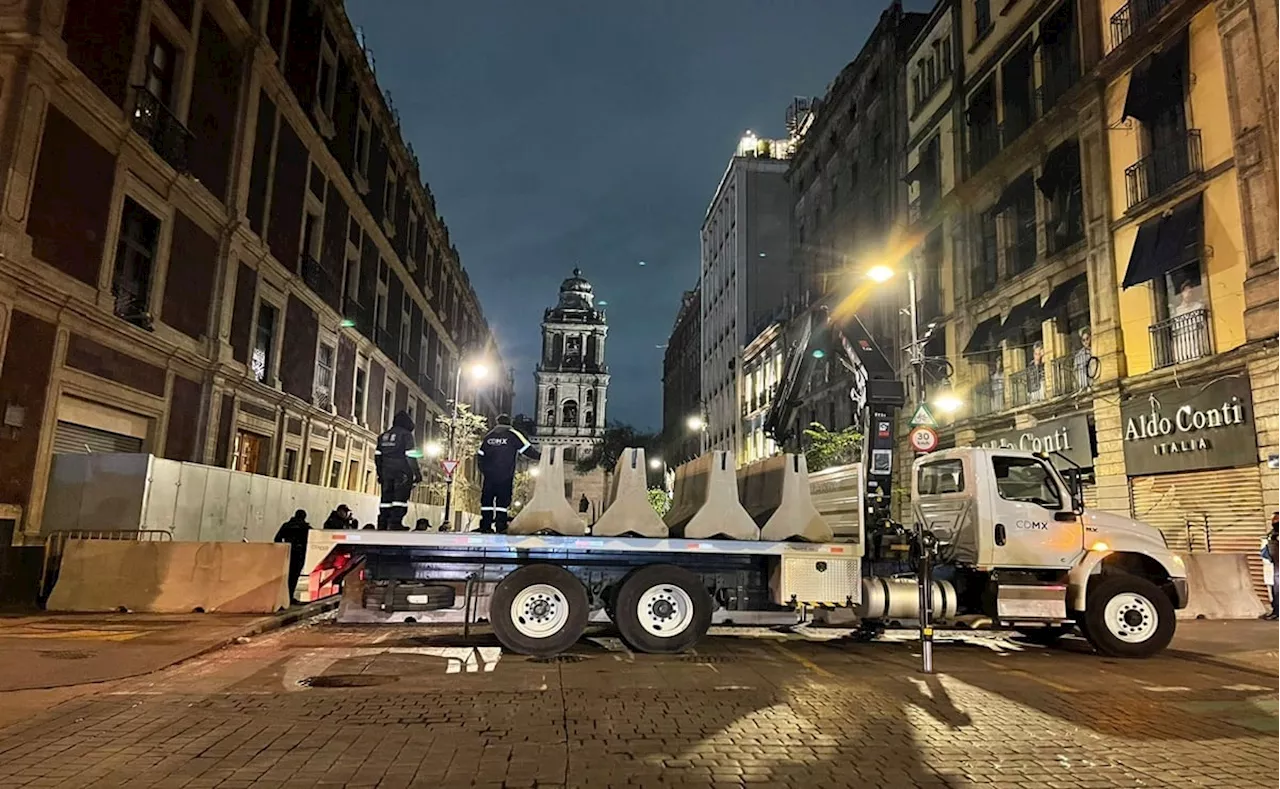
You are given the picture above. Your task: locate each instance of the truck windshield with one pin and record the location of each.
(1026, 479)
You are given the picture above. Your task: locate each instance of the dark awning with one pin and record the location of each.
(1059, 295)
(1061, 166)
(983, 335)
(1027, 312)
(1166, 242)
(1157, 81)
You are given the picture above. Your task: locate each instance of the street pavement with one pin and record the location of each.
(321, 704)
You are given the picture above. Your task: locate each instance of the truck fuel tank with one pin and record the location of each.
(899, 598)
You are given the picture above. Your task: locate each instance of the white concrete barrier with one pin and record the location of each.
(775, 492)
(629, 511)
(705, 505)
(547, 509)
(1220, 586)
(171, 577)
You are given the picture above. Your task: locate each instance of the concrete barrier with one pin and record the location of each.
(629, 511)
(705, 505)
(171, 577)
(1220, 586)
(775, 492)
(547, 509)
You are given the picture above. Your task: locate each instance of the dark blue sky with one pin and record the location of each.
(557, 133)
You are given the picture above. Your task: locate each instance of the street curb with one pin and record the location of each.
(266, 624)
(1195, 657)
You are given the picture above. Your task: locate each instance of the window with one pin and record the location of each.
(363, 134)
(1027, 480)
(389, 195)
(381, 297)
(361, 390)
(290, 464)
(335, 474)
(985, 268)
(406, 322)
(327, 80)
(411, 243)
(135, 263)
(569, 413)
(162, 68)
(324, 375)
(311, 234)
(982, 18)
(388, 402)
(351, 277)
(264, 339)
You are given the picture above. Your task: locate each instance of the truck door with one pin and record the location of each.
(1032, 520)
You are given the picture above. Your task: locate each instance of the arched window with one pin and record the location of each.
(590, 421)
(551, 416)
(591, 396)
(569, 413)
(551, 395)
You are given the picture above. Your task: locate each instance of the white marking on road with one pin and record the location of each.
(1244, 687)
(1166, 688)
(458, 660)
(615, 645)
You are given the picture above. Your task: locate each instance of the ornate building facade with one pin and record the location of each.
(572, 379)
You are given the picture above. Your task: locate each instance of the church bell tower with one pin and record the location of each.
(572, 379)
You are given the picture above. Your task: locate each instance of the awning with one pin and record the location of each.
(1157, 81)
(1060, 167)
(1166, 242)
(1028, 311)
(1059, 295)
(983, 337)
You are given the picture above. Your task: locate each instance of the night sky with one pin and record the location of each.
(557, 133)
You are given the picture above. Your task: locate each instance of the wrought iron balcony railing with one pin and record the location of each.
(984, 144)
(1074, 373)
(1132, 17)
(988, 396)
(319, 279)
(1182, 338)
(1162, 169)
(161, 129)
(1026, 385)
(360, 316)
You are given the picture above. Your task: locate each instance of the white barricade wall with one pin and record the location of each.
(194, 502)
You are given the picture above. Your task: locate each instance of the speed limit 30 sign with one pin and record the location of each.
(923, 438)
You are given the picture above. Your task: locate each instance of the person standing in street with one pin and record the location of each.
(294, 533)
(496, 459)
(397, 471)
(1271, 552)
(341, 518)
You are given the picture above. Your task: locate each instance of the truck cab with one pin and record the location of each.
(1025, 552)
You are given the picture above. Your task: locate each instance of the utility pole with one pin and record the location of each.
(453, 428)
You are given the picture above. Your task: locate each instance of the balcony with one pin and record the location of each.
(988, 396)
(407, 360)
(1182, 338)
(1017, 119)
(359, 316)
(984, 144)
(1134, 16)
(1021, 254)
(161, 129)
(1164, 168)
(425, 383)
(131, 304)
(1074, 373)
(385, 340)
(1057, 81)
(318, 278)
(1026, 386)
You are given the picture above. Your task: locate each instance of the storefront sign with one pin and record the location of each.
(1190, 428)
(1068, 435)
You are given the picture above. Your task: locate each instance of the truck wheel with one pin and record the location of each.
(662, 609)
(1128, 616)
(539, 610)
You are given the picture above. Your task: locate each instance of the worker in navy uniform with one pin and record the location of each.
(398, 471)
(496, 459)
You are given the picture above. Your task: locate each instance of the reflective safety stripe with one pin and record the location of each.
(384, 505)
(377, 452)
(526, 444)
(487, 509)
(399, 504)
(499, 509)
(479, 451)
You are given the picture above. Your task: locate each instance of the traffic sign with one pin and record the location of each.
(450, 466)
(923, 416)
(924, 438)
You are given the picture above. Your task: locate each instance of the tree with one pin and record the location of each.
(825, 448)
(468, 431)
(659, 500)
(618, 437)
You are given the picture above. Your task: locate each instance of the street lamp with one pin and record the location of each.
(695, 423)
(655, 463)
(881, 273)
(433, 449)
(947, 402)
(476, 371)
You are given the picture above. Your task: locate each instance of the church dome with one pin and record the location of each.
(577, 303)
(575, 284)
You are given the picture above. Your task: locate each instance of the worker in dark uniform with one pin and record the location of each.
(496, 459)
(398, 472)
(293, 533)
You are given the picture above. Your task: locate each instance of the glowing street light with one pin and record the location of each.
(880, 273)
(433, 449)
(655, 463)
(695, 423)
(947, 402)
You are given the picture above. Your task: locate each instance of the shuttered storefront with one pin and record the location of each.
(70, 438)
(1225, 504)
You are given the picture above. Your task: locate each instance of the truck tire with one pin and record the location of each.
(610, 597)
(1128, 616)
(662, 609)
(539, 610)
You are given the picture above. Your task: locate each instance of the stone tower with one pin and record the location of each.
(572, 379)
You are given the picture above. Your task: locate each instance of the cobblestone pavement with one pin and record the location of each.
(326, 705)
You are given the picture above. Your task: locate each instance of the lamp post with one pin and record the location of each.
(916, 355)
(478, 372)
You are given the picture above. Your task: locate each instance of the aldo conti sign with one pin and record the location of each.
(1190, 428)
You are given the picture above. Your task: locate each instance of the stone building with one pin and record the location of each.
(848, 198)
(1104, 231)
(682, 383)
(217, 246)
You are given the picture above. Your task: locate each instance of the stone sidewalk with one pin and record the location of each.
(41, 651)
